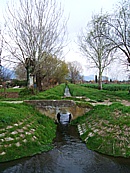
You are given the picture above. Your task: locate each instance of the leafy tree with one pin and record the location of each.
(61, 72)
(51, 71)
(75, 70)
(16, 82)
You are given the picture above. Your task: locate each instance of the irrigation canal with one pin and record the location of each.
(70, 155)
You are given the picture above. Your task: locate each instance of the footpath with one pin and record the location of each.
(67, 92)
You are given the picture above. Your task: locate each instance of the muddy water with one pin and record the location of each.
(70, 155)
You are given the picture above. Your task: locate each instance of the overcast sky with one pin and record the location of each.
(80, 13)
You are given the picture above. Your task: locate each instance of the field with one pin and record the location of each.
(91, 92)
(110, 87)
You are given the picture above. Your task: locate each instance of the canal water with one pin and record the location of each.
(70, 155)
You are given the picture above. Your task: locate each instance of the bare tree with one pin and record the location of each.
(119, 34)
(20, 71)
(75, 70)
(1, 47)
(96, 48)
(34, 27)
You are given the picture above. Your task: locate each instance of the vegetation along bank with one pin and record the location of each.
(23, 131)
(105, 128)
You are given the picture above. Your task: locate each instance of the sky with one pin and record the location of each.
(80, 13)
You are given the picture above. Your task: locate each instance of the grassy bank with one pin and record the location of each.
(98, 95)
(56, 92)
(23, 131)
(105, 128)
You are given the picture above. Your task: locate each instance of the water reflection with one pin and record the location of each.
(70, 155)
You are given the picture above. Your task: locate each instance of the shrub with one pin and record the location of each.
(26, 92)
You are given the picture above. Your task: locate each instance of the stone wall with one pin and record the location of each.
(52, 107)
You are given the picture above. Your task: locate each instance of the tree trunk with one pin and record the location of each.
(27, 70)
(38, 82)
(100, 81)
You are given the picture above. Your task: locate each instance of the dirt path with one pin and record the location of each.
(107, 102)
(9, 94)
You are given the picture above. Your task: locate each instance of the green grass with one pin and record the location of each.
(11, 89)
(11, 113)
(110, 87)
(93, 94)
(106, 129)
(54, 93)
(86, 90)
(34, 131)
(97, 95)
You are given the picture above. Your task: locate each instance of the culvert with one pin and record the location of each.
(64, 117)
